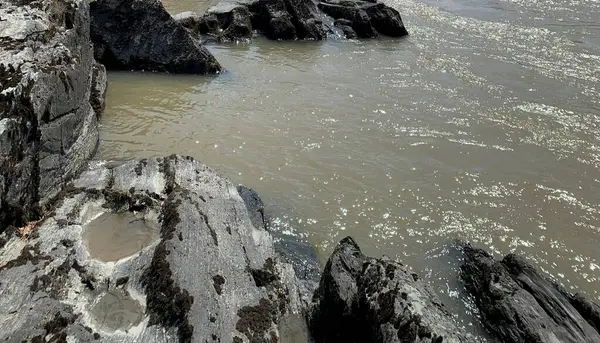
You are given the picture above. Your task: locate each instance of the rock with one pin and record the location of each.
(141, 35)
(98, 88)
(305, 19)
(277, 19)
(287, 19)
(255, 206)
(290, 246)
(190, 20)
(48, 128)
(206, 275)
(362, 299)
(385, 20)
(233, 22)
(517, 304)
(346, 26)
(366, 19)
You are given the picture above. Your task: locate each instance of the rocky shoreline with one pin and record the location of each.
(202, 265)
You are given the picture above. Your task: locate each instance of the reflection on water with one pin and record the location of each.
(482, 125)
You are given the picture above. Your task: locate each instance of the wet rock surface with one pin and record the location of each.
(365, 19)
(362, 299)
(293, 19)
(141, 35)
(209, 276)
(288, 244)
(518, 304)
(48, 105)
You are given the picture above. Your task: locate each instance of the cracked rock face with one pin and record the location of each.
(207, 275)
(48, 126)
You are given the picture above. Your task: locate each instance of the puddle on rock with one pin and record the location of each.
(113, 236)
(117, 311)
(292, 329)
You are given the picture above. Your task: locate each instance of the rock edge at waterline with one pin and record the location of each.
(518, 304)
(231, 20)
(210, 276)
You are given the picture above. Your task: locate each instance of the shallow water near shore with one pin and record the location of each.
(482, 125)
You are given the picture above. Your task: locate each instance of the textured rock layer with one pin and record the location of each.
(141, 35)
(48, 126)
(210, 276)
(362, 299)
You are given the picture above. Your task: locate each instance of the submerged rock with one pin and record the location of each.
(362, 299)
(210, 275)
(51, 92)
(518, 304)
(141, 35)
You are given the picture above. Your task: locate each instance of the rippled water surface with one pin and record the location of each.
(483, 125)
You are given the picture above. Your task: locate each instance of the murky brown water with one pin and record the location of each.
(483, 125)
(117, 311)
(113, 236)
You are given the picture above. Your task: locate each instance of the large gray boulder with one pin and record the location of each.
(206, 275)
(363, 299)
(141, 35)
(48, 126)
(518, 304)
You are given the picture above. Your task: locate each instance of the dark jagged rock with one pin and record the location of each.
(209, 276)
(98, 90)
(141, 35)
(518, 304)
(367, 19)
(276, 19)
(224, 22)
(287, 19)
(385, 20)
(190, 20)
(48, 128)
(255, 206)
(232, 22)
(291, 247)
(346, 26)
(362, 299)
(294, 19)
